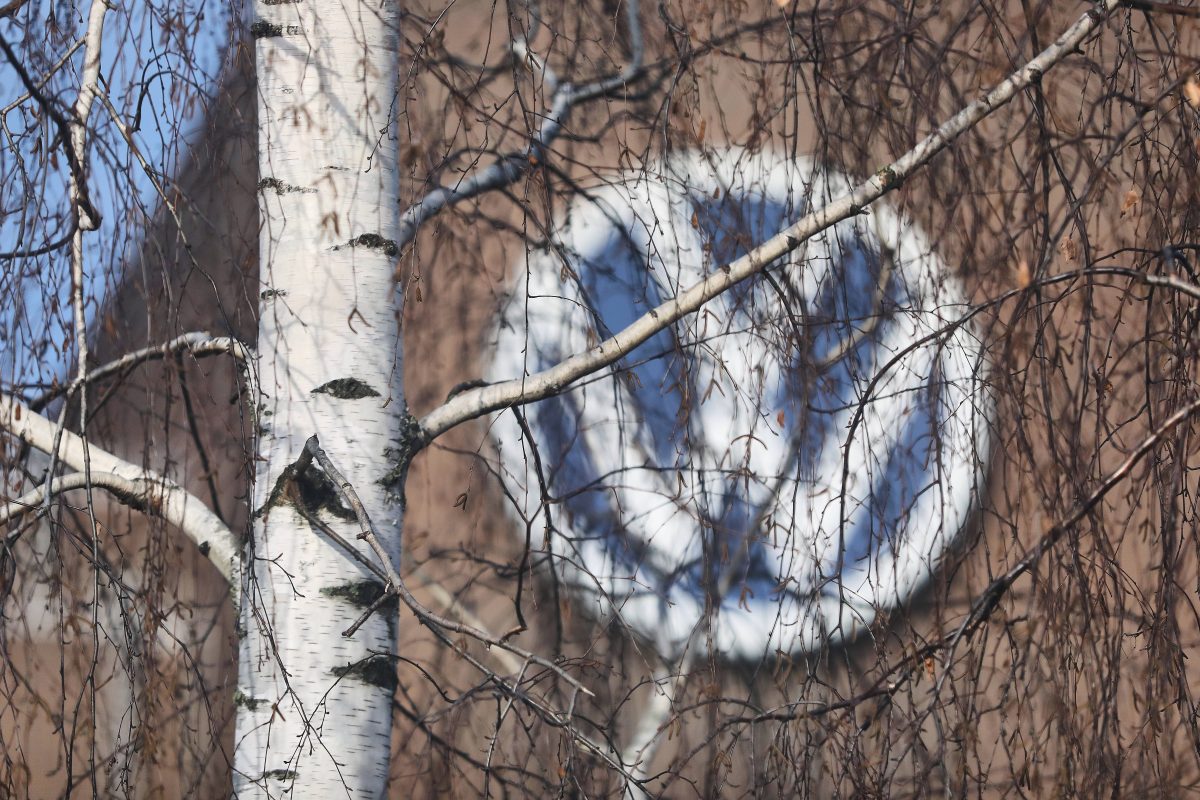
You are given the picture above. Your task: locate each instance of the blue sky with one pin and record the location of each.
(160, 62)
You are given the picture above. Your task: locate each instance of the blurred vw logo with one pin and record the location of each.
(774, 471)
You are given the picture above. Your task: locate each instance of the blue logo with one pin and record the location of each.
(773, 471)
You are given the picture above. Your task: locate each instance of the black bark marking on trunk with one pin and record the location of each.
(281, 774)
(346, 389)
(283, 187)
(309, 489)
(361, 594)
(263, 30)
(317, 493)
(373, 241)
(251, 703)
(408, 443)
(376, 670)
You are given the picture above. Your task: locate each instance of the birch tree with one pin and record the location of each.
(314, 705)
(323, 570)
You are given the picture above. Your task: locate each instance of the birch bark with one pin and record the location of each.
(314, 707)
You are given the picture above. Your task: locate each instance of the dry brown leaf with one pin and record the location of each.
(1191, 91)
(1024, 274)
(1132, 198)
(1069, 249)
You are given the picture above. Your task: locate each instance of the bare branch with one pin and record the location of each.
(61, 123)
(41, 84)
(12, 7)
(508, 169)
(452, 605)
(89, 87)
(163, 496)
(477, 402)
(142, 494)
(396, 587)
(312, 449)
(121, 487)
(196, 343)
(1155, 7)
(986, 602)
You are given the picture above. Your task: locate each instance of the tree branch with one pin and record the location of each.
(78, 173)
(520, 391)
(396, 586)
(508, 169)
(10, 8)
(312, 450)
(984, 604)
(161, 496)
(1155, 7)
(127, 491)
(196, 343)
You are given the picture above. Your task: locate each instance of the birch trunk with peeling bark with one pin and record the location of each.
(314, 706)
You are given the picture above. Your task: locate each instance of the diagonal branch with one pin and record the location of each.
(161, 495)
(1155, 6)
(519, 391)
(983, 606)
(395, 584)
(63, 124)
(312, 450)
(509, 168)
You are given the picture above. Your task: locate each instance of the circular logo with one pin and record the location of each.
(773, 471)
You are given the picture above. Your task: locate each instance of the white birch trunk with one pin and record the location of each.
(314, 707)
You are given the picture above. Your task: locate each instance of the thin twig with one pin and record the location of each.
(346, 490)
(341, 541)
(56, 115)
(1155, 7)
(12, 7)
(395, 584)
(985, 604)
(50, 73)
(452, 605)
(509, 168)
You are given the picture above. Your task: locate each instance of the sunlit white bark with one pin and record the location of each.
(314, 707)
